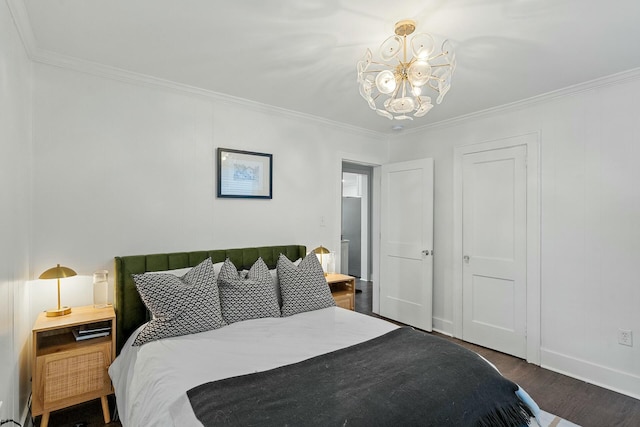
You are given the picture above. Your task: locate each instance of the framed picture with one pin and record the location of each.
(244, 174)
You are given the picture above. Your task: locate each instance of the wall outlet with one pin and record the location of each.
(625, 337)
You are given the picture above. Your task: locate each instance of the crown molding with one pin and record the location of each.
(23, 26)
(21, 20)
(20, 17)
(624, 76)
(114, 73)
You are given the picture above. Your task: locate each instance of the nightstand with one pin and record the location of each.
(343, 289)
(67, 371)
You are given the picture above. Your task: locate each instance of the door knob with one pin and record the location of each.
(427, 252)
(466, 258)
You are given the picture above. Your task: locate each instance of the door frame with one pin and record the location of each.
(367, 170)
(532, 143)
(376, 163)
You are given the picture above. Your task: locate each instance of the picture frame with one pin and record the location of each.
(244, 174)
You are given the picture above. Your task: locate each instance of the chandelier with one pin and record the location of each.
(395, 86)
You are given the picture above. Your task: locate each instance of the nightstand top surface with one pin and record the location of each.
(337, 277)
(78, 316)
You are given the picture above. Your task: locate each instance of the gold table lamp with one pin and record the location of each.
(58, 272)
(321, 250)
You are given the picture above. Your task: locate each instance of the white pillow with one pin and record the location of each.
(179, 272)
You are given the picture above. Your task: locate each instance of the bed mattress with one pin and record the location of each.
(151, 380)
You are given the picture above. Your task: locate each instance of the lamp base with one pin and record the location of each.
(55, 312)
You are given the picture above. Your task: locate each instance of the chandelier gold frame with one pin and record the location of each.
(393, 86)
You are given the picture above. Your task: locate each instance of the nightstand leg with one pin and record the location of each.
(45, 419)
(105, 409)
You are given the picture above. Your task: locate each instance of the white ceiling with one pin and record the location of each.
(300, 55)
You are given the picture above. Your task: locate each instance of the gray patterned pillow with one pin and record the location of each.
(179, 305)
(303, 287)
(249, 296)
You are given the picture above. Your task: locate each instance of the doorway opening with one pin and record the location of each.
(356, 243)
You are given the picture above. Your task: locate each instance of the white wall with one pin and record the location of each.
(123, 169)
(590, 201)
(15, 152)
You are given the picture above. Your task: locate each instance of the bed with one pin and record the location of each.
(319, 366)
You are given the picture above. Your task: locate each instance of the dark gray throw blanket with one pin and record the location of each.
(403, 378)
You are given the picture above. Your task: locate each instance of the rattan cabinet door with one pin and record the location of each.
(73, 376)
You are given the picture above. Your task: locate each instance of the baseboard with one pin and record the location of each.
(602, 376)
(443, 326)
(26, 416)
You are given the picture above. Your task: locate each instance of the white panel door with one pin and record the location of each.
(494, 215)
(406, 247)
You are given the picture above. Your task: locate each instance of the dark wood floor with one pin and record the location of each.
(574, 400)
(87, 414)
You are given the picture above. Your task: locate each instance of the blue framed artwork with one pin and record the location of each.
(244, 174)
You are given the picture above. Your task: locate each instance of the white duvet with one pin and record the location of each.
(151, 380)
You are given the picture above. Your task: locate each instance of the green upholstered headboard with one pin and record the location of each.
(131, 311)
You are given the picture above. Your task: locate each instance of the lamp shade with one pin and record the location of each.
(321, 250)
(58, 272)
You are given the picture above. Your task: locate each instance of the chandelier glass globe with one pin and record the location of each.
(395, 86)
